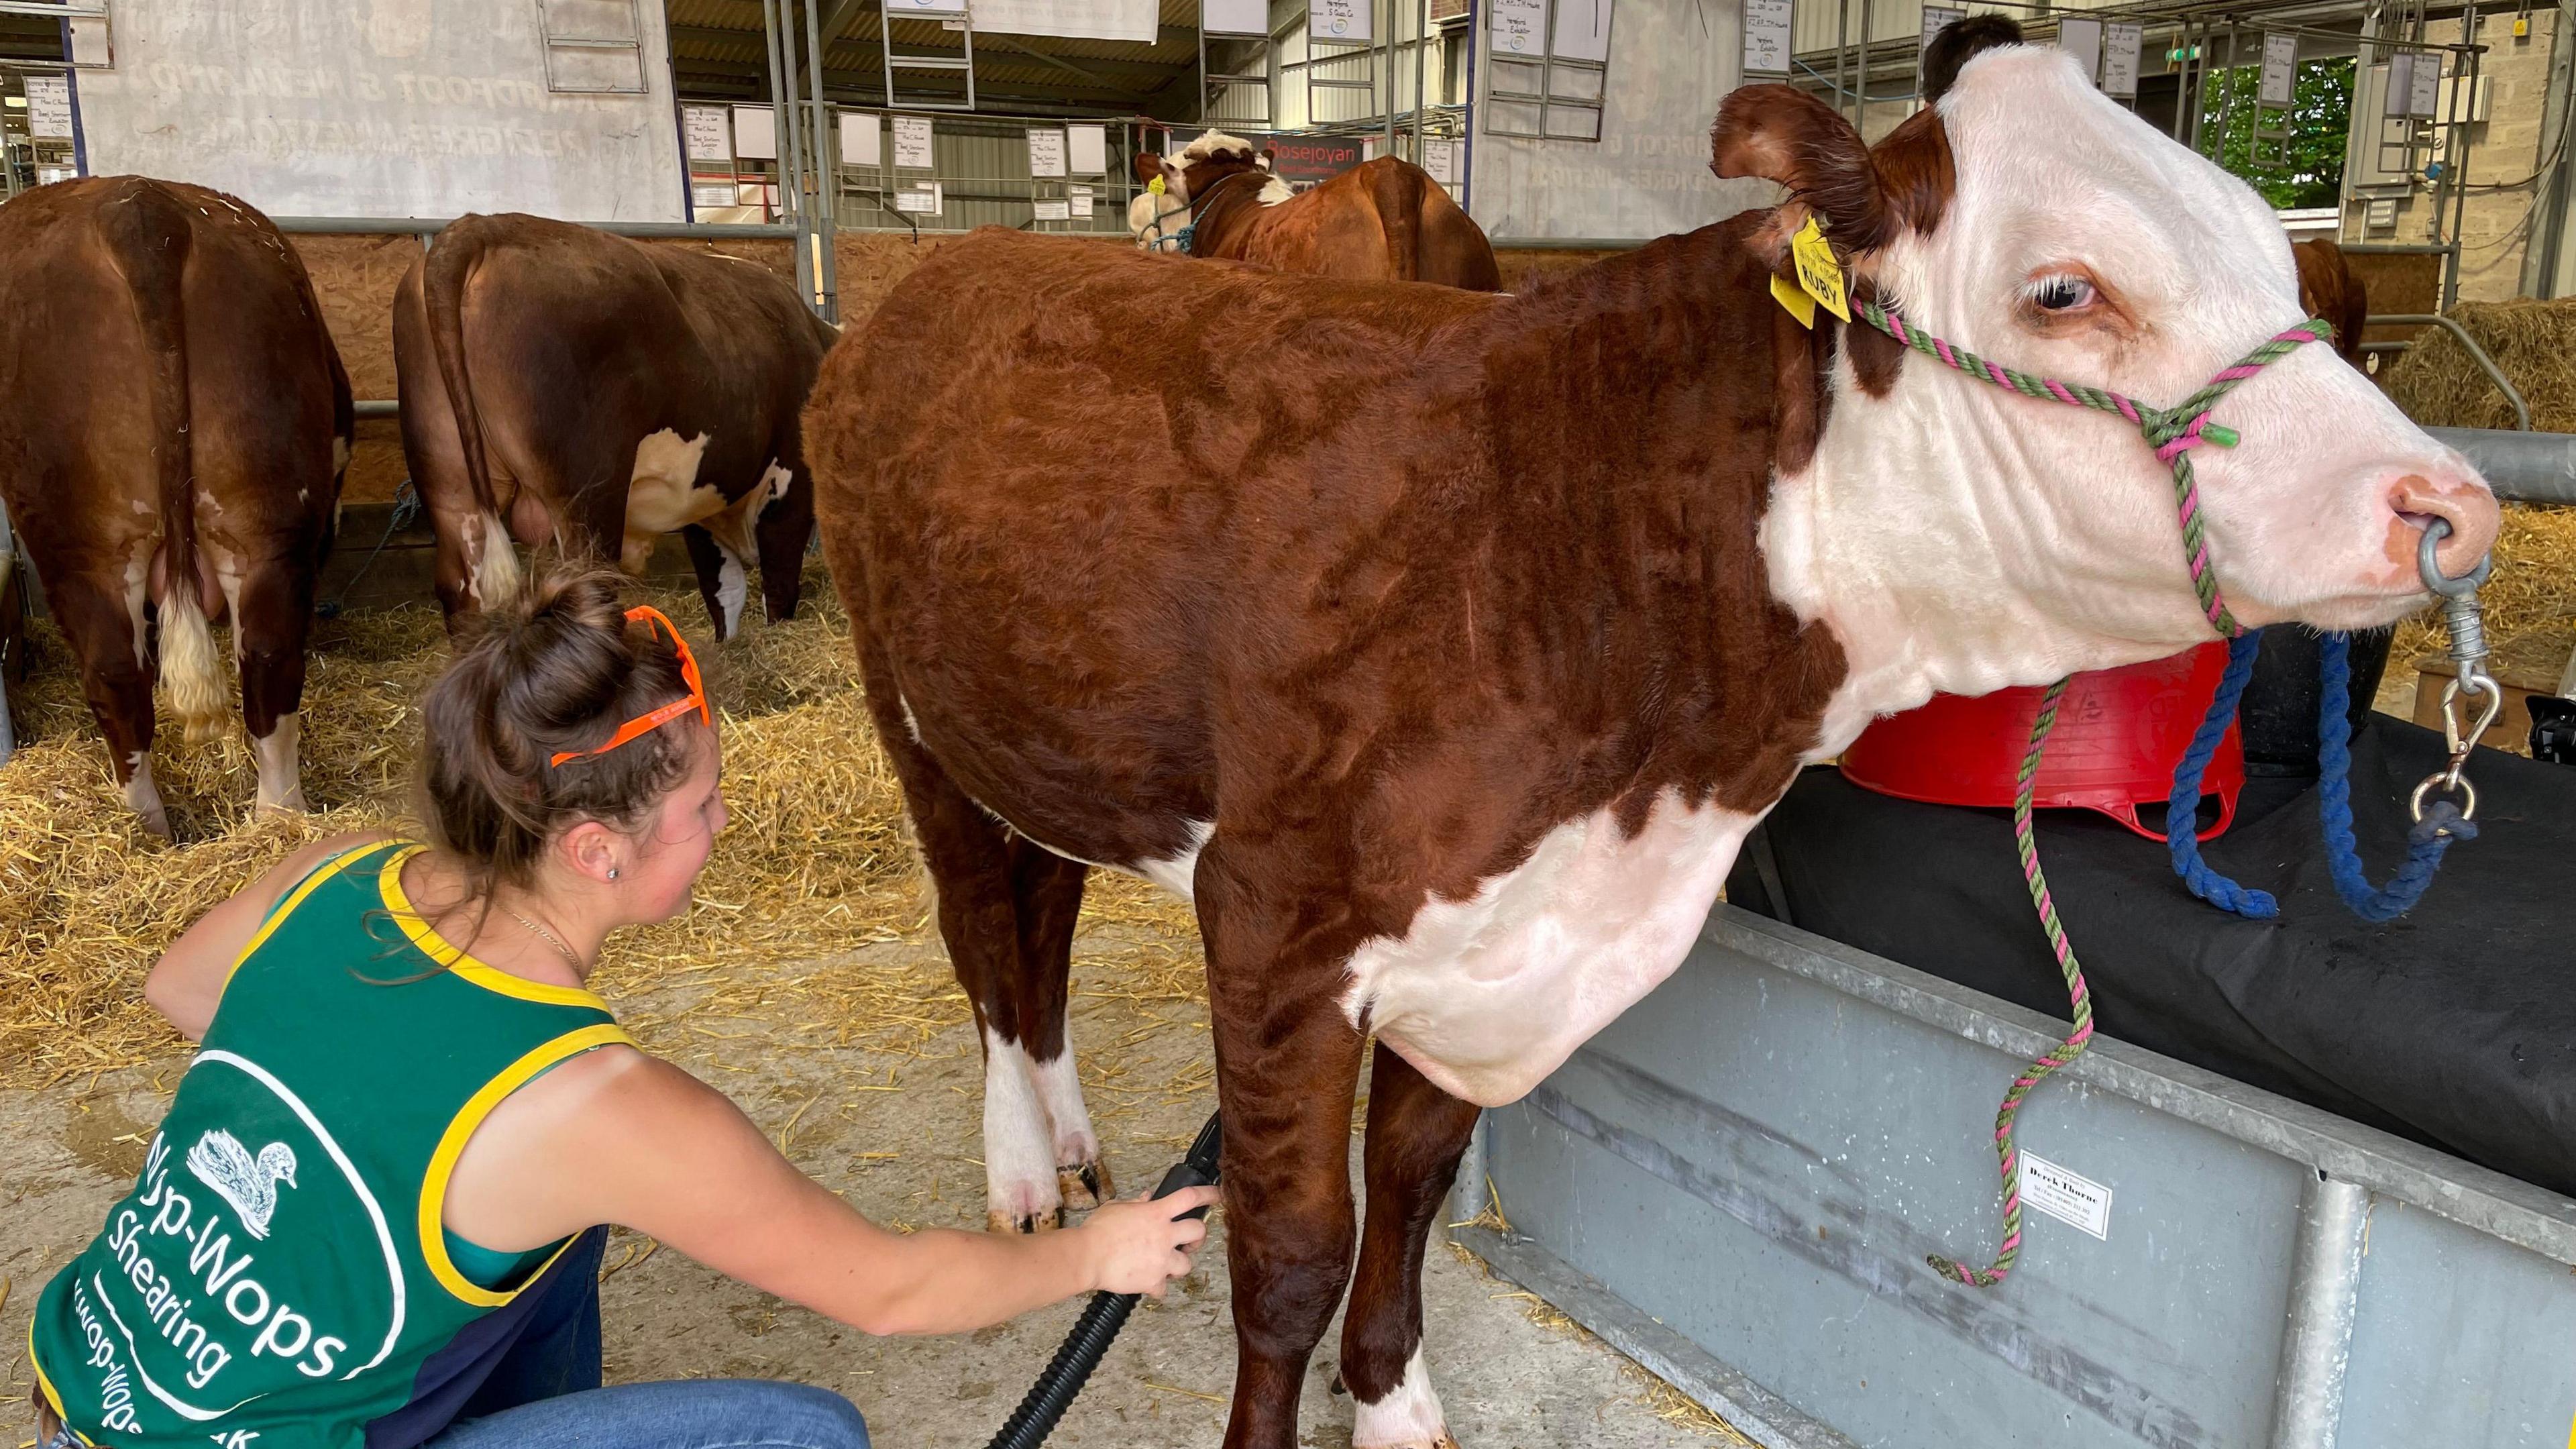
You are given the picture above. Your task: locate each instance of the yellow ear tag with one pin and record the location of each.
(1155, 186)
(1800, 305)
(1818, 272)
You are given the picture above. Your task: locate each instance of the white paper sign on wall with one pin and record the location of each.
(1235, 17)
(2070, 1197)
(1346, 20)
(1937, 18)
(1582, 30)
(1046, 152)
(862, 139)
(1086, 150)
(912, 148)
(2082, 39)
(922, 198)
(1517, 27)
(1766, 36)
(2122, 44)
(1081, 203)
(2424, 87)
(2280, 70)
(1440, 158)
(755, 137)
(49, 107)
(2397, 95)
(1055, 210)
(707, 136)
(720, 193)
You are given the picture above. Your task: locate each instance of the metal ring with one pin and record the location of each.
(2430, 569)
(2468, 796)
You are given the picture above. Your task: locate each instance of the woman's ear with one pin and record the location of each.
(593, 852)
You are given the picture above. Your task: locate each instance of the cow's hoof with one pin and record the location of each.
(1084, 1185)
(998, 1221)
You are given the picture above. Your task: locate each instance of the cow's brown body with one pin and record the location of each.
(173, 417)
(536, 360)
(1384, 220)
(2328, 289)
(1386, 608)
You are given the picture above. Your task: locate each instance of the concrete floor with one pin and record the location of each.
(1508, 1382)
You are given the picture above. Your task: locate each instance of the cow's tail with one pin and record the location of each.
(1397, 190)
(493, 563)
(148, 232)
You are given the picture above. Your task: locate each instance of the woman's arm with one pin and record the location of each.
(621, 1137)
(189, 978)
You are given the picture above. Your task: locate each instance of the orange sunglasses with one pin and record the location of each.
(645, 724)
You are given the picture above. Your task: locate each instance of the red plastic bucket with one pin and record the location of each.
(2119, 734)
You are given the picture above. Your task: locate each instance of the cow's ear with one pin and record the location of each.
(1148, 166)
(1783, 134)
(1958, 42)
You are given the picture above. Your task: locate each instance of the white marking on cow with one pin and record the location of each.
(1487, 995)
(281, 783)
(1060, 1093)
(339, 457)
(493, 578)
(1019, 1155)
(1209, 143)
(228, 580)
(139, 506)
(138, 589)
(911, 726)
(303, 495)
(1275, 191)
(1407, 1418)
(1178, 872)
(662, 494)
(142, 798)
(733, 589)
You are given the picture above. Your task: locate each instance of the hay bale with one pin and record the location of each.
(2533, 342)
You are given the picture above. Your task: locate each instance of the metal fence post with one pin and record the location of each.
(2325, 1292)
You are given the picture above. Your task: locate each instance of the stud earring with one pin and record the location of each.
(612, 872)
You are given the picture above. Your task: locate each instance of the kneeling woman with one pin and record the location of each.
(371, 1219)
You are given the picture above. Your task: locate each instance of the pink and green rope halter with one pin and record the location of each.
(2173, 432)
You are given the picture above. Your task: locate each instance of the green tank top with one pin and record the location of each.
(280, 1271)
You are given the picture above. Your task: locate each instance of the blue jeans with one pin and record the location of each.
(677, 1414)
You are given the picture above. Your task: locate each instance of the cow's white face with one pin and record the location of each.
(2085, 245)
(2081, 244)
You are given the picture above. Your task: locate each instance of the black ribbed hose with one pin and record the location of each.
(1092, 1333)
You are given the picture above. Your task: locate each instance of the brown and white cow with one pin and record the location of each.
(1443, 647)
(1155, 216)
(1383, 220)
(173, 424)
(2329, 289)
(561, 385)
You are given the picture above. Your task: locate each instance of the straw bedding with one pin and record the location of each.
(816, 866)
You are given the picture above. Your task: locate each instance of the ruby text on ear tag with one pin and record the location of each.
(1819, 274)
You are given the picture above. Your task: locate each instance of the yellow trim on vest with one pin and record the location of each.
(451, 1146)
(452, 956)
(278, 913)
(45, 1386)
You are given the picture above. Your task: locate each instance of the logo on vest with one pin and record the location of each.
(249, 1183)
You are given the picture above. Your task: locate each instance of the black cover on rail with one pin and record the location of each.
(2454, 1026)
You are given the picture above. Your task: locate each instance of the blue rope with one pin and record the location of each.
(2425, 843)
(2182, 808)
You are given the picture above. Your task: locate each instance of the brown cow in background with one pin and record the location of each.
(173, 424)
(564, 386)
(2328, 289)
(1384, 220)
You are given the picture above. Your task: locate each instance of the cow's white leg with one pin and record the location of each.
(1409, 1418)
(281, 782)
(733, 590)
(1081, 1178)
(143, 798)
(1019, 1155)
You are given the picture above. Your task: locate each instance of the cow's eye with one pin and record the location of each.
(2061, 293)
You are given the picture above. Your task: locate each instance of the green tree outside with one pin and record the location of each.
(2320, 120)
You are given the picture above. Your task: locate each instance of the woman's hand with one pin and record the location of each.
(1140, 1245)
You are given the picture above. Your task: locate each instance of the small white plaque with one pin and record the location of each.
(1766, 36)
(2280, 71)
(49, 107)
(709, 138)
(2071, 1198)
(862, 139)
(912, 150)
(1086, 150)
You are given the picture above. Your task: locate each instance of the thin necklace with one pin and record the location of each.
(547, 936)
